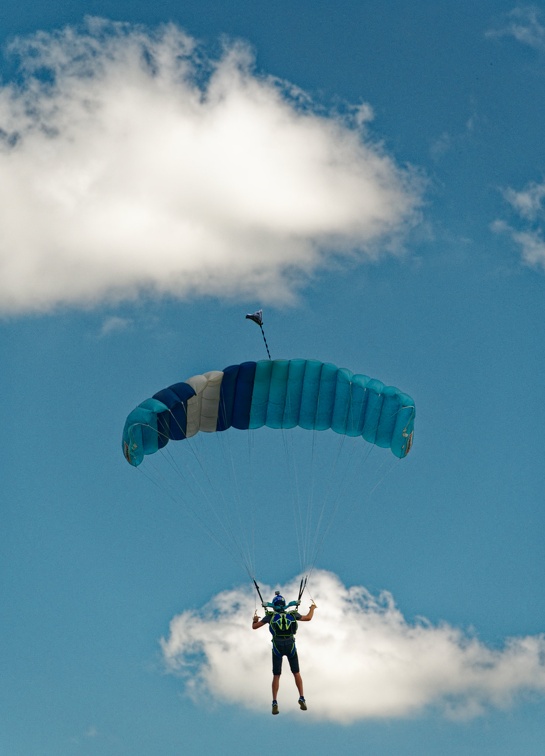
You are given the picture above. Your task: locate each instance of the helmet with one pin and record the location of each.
(279, 602)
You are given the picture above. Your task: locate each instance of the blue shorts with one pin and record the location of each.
(284, 647)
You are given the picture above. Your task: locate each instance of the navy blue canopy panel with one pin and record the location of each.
(277, 394)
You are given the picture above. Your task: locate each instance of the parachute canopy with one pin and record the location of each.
(277, 394)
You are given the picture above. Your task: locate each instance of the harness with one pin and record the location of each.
(283, 625)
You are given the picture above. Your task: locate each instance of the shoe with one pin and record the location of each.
(302, 703)
(274, 707)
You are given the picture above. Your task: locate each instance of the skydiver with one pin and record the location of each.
(283, 626)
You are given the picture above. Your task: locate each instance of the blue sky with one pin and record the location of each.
(373, 178)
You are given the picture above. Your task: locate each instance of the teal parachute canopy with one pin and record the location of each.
(274, 393)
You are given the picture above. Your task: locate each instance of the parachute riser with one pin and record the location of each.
(263, 604)
(302, 587)
(268, 605)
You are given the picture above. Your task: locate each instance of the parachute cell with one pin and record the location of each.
(274, 393)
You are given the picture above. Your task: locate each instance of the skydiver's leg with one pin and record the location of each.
(299, 682)
(277, 671)
(294, 666)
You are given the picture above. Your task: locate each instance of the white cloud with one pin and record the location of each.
(130, 162)
(441, 146)
(360, 658)
(449, 141)
(529, 202)
(113, 324)
(528, 206)
(531, 244)
(524, 24)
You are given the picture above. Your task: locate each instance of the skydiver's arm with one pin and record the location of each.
(308, 616)
(258, 623)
